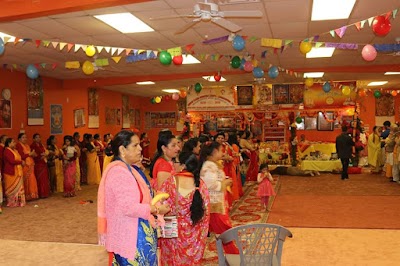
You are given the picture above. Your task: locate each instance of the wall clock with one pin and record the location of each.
(6, 93)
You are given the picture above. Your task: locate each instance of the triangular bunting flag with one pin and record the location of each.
(38, 42)
(46, 43)
(358, 25)
(128, 51)
(316, 38)
(43, 65)
(141, 51)
(206, 56)
(84, 47)
(318, 44)
(14, 66)
(252, 39)
(388, 14)
(120, 50)
(53, 66)
(6, 39)
(69, 46)
(244, 37)
(220, 56)
(370, 21)
(332, 32)
(394, 13)
(113, 50)
(287, 42)
(363, 23)
(77, 47)
(275, 50)
(36, 65)
(282, 48)
(99, 49)
(264, 54)
(62, 45)
(107, 49)
(116, 58)
(16, 40)
(189, 47)
(340, 32)
(54, 44)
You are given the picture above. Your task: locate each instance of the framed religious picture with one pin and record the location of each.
(79, 117)
(245, 95)
(35, 102)
(226, 123)
(6, 113)
(280, 94)
(56, 119)
(296, 93)
(310, 123)
(325, 121)
(93, 109)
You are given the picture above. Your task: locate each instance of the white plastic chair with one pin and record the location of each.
(258, 244)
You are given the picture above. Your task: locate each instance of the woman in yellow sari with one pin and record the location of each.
(93, 165)
(30, 184)
(108, 157)
(13, 175)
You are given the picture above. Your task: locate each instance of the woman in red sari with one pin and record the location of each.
(145, 144)
(252, 171)
(13, 175)
(70, 155)
(41, 170)
(30, 183)
(189, 201)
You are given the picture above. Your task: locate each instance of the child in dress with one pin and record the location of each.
(265, 189)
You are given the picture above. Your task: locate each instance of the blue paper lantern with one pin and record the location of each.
(32, 72)
(273, 72)
(258, 72)
(2, 47)
(326, 87)
(238, 43)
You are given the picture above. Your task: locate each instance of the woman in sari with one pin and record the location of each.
(374, 150)
(13, 175)
(100, 150)
(30, 183)
(108, 155)
(93, 165)
(245, 143)
(69, 155)
(125, 215)
(41, 170)
(189, 201)
(51, 164)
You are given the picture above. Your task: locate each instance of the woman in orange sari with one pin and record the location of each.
(13, 175)
(30, 184)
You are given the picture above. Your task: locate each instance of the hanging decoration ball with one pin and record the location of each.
(326, 87)
(309, 82)
(346, 90)
(88, 68)
(198, 87)
(248, 66)
(175, 96)
(2, 47)
(157, 99)
(32, 72)
(362, 93)
(152, 101)
(242, 62)
(377, 94)
(167, 97)
(254, 62)
(182, 93)
(90, 51)
(177, 60)
(305, 47)
(394, 93)
(258, 72)
(368, 53)
(381, 26)
(238, 43)
(299, 120)
(165, 58)
(217, 77)
(235, 62)
(273, 72)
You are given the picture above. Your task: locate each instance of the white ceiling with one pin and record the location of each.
(282, 19)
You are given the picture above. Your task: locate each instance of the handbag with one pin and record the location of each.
(170, 228)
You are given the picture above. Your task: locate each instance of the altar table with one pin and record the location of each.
(322, 166)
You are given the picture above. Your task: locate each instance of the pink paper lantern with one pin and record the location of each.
(175, 96)
(369, 53)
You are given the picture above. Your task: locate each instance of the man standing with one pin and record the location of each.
(344, 145)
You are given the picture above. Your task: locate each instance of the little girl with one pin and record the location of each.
(265, 189)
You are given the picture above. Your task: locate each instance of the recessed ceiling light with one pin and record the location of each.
(145, 83)
(313, 75)
(331, 9)
(392, 73)
(320, 52)
(377, 83)
(190, 59)
(124, 22)
(212, 79)
(171, 90)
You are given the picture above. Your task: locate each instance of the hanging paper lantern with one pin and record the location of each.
(299, 120)
(394, 93)
(368, 53)
(198, 87)
(377, 94)
(346, 90)
(362, 93)
(238, 43)
(175, 96)
(235, 62)
(157, 99)
(273, 72)
(305, 47)
(32, 72)
(309, 82)
(381, 26)
(177, 60)
(165, 58)
(217, 77)
(90, 51)
(182, 93)
(326, 87)
(88, 68)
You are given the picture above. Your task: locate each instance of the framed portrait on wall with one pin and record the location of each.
(6, 114)
(245, 95)
(79, 117)
(310, 123)
(280, 94)
(56, 119)
(325, 121)
(226, 123)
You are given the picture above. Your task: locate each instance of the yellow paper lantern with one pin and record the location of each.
(309, 82)
(90, 51)
(88, 68)
(305, 47)
(346, 90)
(157, 99)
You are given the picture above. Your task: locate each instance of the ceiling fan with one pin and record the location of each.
(206, 12)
